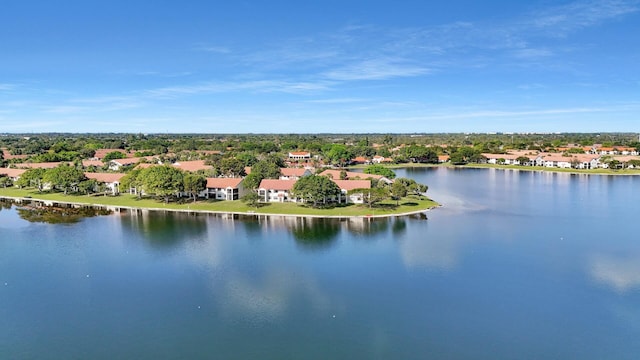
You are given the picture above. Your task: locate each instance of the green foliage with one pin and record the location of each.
(315, 189)
(132, 180)
(32, 178)
(232, 167)
(380, 170)
(114, 155)
(338, 154)
(88, 186)
(194, 184)
(162, 181)
(421, 154)
(410, 185)
(64, 177)
(372, 196)
(5, 181)
(251, 198)
(265, 169)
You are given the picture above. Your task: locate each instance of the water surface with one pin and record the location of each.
(520, 265)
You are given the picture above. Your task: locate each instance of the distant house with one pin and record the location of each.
(224, 189)
(272, 190)
(47, 165)
(299, 155)
(192, 166)
(117, 164)
(359, 160)
(96, 163)
(13, 174)
(294, 173)
(102, 153)
(348, 185)
(110, 180)
(443, 158)
(380, 159)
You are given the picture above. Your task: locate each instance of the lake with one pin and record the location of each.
(515, 265)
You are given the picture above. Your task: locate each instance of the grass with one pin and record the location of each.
(408, 204)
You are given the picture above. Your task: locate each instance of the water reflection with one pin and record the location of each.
(621, 273)
(57, 215)
(165, 229)
(314, 234)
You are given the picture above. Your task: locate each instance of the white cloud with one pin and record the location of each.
(376, 69)
(621, 273)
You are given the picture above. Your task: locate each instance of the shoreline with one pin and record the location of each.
(118, 208)
(548, 170)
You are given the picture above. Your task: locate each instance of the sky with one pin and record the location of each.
(319, 66)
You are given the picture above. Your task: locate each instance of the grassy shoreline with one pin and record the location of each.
(407, 206)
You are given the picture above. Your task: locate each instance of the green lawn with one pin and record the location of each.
(408, 204)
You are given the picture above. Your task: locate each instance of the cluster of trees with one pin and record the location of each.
(64, 178)
(164, 182)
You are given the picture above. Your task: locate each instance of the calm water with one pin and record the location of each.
(517, 265)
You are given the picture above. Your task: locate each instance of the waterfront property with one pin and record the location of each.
(224, 189)
(111, 181)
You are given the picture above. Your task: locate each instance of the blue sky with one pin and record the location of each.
(331, 66)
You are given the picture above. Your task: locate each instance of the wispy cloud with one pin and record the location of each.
(7, 87)
(213, 49)
(376, 69)
(561, 20)
(223, 87)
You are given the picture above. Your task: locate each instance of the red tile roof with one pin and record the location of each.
(194, 165)
(11, 172)
(105, 177)
(353, 184)
(223, 183)
(48, 165)
(273, 184)
(97, 163)
(293, 171)
(101, 153)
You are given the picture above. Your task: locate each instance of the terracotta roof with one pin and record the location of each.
(11, 172)
(293, 171)
(300, 153)
(273, 184)
(353, 184)
(7, 155)
(247, 170)
(359, 159)
(97, 163)
(127, 161)
(501, 156)
(194, 165)
(622, 158)
(443, 157)
(223, 183)
(105, 177)
(144, 165)
(48, 165)
(101, 153)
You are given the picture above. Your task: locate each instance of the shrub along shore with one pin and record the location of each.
(408, 205)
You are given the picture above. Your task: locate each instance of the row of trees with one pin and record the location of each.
(164, 182)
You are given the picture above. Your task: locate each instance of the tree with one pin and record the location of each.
(65, 177)
(5, 181)
(88, 186)
(338, 154)
(194, 184)
(114, 155)
(523, 160)
(398, 191)
(132, 180)
(411, 186)
(232, 167)
(265, 169)
(162, 181)
(372, 196)
(380, 170)
(32, 177)
(2, 162)
(315, 189)
(252, 199)
(421, 154)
